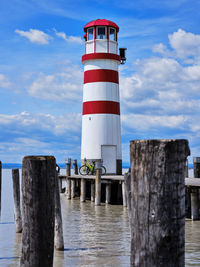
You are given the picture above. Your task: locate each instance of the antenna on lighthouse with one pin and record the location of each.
(122, 52)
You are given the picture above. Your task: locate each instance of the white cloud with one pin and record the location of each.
(185, 44)
(69, 39)
(58, 125)
(161, 98)
(4, 81)
(35, 36)
(62, 86)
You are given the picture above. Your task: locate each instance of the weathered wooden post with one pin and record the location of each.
(58, 234)
(108, 193)
(196, 166)
(16, 196)
(127, 184)
(68, 180)
(73, 182)
(124, 194)
(75, 166)
(157, 212)
(92, 191)
(38, 190)
(98, 183)
(59, 179)
(195, 191)
(83, 190)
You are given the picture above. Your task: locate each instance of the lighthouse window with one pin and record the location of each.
(90, 34)
(101, 33)
(112, 34)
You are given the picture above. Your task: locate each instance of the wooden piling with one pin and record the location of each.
(98, 184)
(92, 191)
(16, 196)
(58, 230)
(73, 182)
(68, 180)
(124, 195)
(196, 166)
(157, 212)
(108, 193)
(38, 189)
(83, 190)
(127, 184)
(75, 166)
(195, 205)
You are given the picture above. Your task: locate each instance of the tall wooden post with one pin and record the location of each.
(157, 212)
(16, 196)
(98, 184)
(58, 234)
(38, 189)
(68, 180)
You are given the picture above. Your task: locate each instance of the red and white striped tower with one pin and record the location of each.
(101, 129)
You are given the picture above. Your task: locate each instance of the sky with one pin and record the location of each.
(41, 74)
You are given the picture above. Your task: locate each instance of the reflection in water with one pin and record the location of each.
(192, 244)
(93, 235)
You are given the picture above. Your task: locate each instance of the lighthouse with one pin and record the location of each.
(101, 127)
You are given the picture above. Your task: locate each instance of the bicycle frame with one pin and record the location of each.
(90, 166)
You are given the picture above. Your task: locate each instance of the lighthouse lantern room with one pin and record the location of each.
(101, 129)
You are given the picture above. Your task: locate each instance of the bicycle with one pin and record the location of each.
(89, 168)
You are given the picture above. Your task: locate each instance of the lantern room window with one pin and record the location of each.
(112, 34)
(90, 34)
(101, 33)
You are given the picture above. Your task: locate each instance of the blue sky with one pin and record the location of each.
(41, 74)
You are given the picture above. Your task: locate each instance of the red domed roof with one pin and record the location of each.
(101, 22)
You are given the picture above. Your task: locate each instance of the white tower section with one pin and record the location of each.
(101, 129)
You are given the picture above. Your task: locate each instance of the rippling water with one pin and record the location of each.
(94, 235)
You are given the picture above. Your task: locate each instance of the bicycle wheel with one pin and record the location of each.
(103, 170)
(84, 170)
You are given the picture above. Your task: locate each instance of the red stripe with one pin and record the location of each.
(101, 75)
(101, 56)
(97, 107)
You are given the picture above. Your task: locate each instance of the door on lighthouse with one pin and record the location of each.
(109, 157)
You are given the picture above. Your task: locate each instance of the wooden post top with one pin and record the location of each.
(38, 157)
